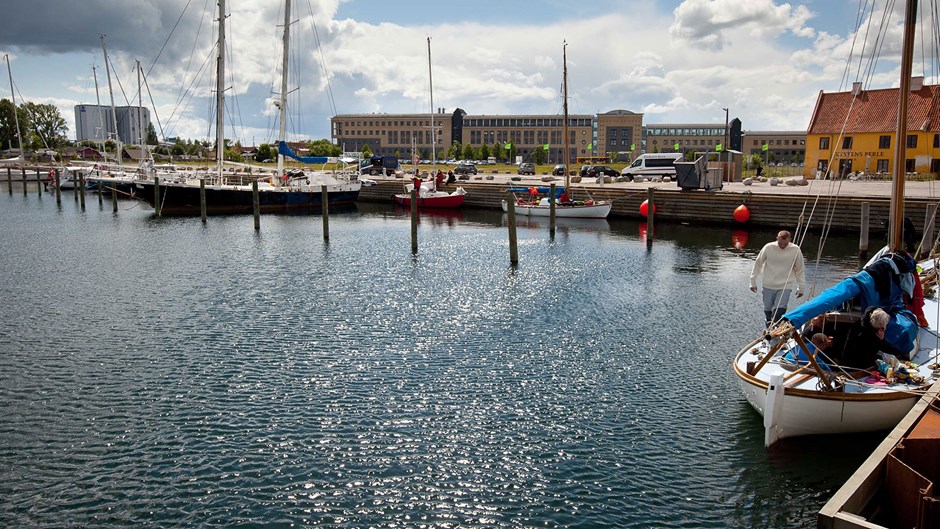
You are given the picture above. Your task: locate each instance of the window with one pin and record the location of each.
(847, 142)
(936, 141)
(613, 143)
(911, 141)
(909, 165)
(882, 166)
(824, 143)
(884, 142)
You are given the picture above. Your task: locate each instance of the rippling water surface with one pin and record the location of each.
(161, 372)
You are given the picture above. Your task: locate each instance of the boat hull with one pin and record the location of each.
(593, 211)
(443, 202)
(183, 198)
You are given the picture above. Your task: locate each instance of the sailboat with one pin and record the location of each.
(800, 390)
(429, 196)
(296, 191)
(535, 204)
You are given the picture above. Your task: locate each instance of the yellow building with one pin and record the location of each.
(855, 131)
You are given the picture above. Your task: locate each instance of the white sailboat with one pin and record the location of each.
(537, 205)
(799, 390)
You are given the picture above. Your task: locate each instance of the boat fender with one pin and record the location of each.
(773, 409)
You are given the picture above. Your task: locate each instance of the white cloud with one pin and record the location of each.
(710, 23)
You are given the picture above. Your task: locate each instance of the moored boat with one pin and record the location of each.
(536, 205)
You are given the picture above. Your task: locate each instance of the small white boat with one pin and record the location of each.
(534, 205)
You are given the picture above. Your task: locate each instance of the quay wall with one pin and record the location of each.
(767, 208)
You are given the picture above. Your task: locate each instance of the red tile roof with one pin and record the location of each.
(875, 111)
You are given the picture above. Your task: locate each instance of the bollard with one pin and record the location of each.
(156, 195)
(58, 188)
(25, 191)
(100, 191)
(926, 244)
(650, 214)
(38, 183)
(863, 233)
(9, 181)
(551, 210)
(325, 200)
(202, 199)
(81, 189)
(414, 220)
(255, 204)
(114, 207)
(513, 241)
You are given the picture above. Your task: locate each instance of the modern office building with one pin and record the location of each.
(692, 137)
(856, 131)
(93, 122)
(782, 146)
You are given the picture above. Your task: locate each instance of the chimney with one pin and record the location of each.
(856, 88)
(917, 83)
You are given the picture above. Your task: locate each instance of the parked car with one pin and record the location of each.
(597, 170)
(526, 168)
(559, 170)
(583, 171)
(465, 168)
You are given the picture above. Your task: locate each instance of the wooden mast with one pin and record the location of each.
(564, 55)
(220, 95)
(282, 101)
(896, 217)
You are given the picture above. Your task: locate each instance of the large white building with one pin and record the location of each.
(93, 122)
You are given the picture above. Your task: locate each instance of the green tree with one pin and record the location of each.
(265, 152)
(484, 151)
(323, 147)
(468, 152)
(366, 151)
(538, 155)
(8, 124)
(455, 150)
(512, 152)
(152, 135)
(425, 154)
(48, 124)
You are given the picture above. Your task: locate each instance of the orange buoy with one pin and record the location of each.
(644, 208)
(741, 213)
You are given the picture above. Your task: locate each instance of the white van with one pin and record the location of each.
(659, 164)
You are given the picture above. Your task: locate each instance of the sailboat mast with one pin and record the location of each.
(94, 73)
(282, 131)
(16, 117)
(433, 139)
(220, 95)
(896, 216)
(564, 54)
(107, 69)
(140, 99)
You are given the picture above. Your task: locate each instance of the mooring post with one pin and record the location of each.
(58, 188)
(325, 200)
(81, 189)
(863, 232)
(38, 183)
(513, 241)
(25, 190)
(114, 207)
(414, 218)
(256, 204)
(9, 181)
(926, 244)
(156, 195)
(202, 199)
(551, 210)
(100, 191)
(650, 213)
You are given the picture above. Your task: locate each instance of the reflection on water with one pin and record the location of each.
(212, 375)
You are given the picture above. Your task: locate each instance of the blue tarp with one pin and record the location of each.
(559, 190)
(284, 150)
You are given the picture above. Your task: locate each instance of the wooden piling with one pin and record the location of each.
(10, 181)
(926, 243)
(25, 190)
(156, 195)
(325, 200)
(513, 240)
(58, 188)
(551, 210)
(255, 204)
(39, 183)
(202, 199)
(863, 232)
(414, 219)
(650, 213)
(81, 189)
(100, 191)
(114, 207)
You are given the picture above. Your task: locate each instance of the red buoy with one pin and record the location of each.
(644, 208)
(741, 213)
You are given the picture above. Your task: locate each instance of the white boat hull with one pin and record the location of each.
(598, 210)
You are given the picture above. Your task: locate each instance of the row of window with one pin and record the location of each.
(884, 142)
(527, 122)
(785, 142)
(684, 132)
(670, 143)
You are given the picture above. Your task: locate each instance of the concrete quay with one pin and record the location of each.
(840, 201)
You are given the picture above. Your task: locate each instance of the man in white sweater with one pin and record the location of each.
(781, 263)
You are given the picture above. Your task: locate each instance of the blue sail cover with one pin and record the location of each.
(284, 150)
(559, 190)
(902, 327)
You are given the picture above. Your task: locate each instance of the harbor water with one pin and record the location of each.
(161, 372)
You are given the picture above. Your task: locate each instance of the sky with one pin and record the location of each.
(675, 61)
